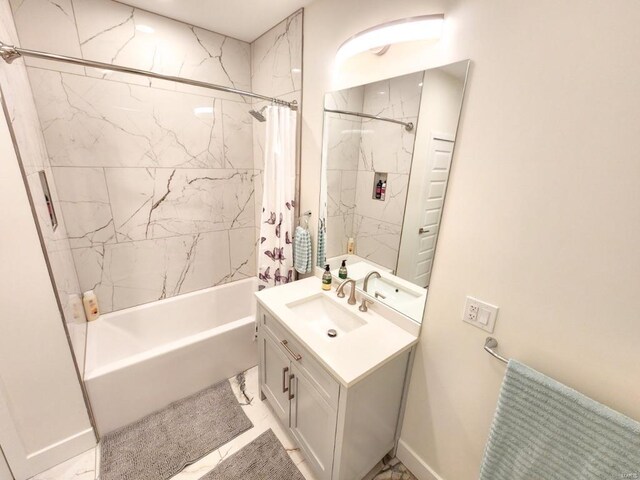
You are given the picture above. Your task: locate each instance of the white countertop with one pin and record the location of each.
(348, 357)
(414, 309)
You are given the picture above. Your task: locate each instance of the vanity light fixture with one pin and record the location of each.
(378, 38)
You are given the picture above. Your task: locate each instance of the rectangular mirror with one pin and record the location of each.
(386, 157)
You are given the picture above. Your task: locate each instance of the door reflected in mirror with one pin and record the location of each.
(386, 158)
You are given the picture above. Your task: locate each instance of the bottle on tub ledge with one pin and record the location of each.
(90, 302)
(351, 246)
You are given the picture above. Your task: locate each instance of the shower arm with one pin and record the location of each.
(10, 52)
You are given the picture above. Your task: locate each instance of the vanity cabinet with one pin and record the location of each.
(293, 395)
(342, 431)
(276, 377)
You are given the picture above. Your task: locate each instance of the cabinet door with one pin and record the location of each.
(313, 423)
(276, 377)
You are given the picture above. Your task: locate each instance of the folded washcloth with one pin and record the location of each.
(543, 429)
(321, 257)
(302, 250)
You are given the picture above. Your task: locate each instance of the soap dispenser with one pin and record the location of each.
(342, 273)
(326, 278)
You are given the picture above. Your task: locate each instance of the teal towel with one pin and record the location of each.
(302, 250)
(544, 430)
(321, 256)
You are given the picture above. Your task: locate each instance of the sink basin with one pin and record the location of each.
(323, 314)
(387, 290)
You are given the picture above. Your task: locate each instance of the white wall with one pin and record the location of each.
(541, 216)
(43, 418)
(5, 473)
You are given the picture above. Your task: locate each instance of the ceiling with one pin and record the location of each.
(242, 19)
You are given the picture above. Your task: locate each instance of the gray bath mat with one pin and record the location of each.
(160, 445)
(263, 459)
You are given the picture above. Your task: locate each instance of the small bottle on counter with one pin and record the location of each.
(90, 302)
(326, 278)
(342, 273)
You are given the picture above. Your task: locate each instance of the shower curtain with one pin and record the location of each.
(275, 252)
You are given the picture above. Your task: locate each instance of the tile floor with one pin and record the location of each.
(86, 466)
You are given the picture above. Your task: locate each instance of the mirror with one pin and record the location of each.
(386, 157)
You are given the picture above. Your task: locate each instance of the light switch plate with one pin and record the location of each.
(480, 314)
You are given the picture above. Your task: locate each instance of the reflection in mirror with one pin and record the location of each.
(386, 157)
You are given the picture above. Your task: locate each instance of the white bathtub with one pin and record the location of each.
(143, 358)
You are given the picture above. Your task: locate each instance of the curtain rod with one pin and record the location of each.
(10, 52)
(408, 126)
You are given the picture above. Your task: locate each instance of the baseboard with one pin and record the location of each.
(58, 452)
(414, 463)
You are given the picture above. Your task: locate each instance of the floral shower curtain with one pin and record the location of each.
(275, 252)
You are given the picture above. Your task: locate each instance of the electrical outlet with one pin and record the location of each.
(480, 314)
(472, 312)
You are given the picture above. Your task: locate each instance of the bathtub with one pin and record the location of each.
(140, 359)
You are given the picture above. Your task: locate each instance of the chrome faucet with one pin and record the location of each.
(366, 279)
(352, 293)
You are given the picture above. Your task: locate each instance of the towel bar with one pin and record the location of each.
(489, 344)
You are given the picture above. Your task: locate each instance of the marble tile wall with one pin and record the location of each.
(156, 180)
(357, 149)
(276, 71)
(343, 134)
(32, 149)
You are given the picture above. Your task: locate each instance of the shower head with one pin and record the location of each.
(257, 114)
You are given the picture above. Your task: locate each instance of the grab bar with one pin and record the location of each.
(489, 344)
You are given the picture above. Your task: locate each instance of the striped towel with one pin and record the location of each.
(321, 255)
(545, 430)
(302, 250)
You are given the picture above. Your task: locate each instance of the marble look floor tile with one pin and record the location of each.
(394, 470)
(87, 465)
(262, 418)
(81, 467)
